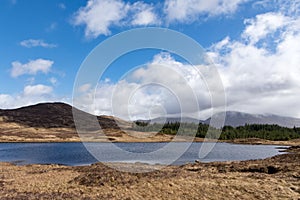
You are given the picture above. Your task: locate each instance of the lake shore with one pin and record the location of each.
(139, 137)
(272, 178)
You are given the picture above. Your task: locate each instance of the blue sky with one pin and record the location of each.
(254, 44)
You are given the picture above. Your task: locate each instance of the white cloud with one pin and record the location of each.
(190, 10)
(143, 14)
(291, 8)
(37, 90)
(31, 94)
(32, 67)
(263, 25)
(163, 86)
(98, 16)
(36, 43)
(260, 70)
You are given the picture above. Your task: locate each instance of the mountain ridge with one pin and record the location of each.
(234, 118)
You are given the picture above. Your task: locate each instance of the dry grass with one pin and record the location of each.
(272, 178)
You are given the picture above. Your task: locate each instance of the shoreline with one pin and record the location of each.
(251, 141)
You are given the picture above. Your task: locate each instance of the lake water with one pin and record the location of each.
(77, 154)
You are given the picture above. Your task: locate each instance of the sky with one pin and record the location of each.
(255, 45)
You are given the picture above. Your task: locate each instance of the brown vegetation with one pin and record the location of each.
(273, 178)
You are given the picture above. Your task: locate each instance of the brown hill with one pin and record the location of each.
(55, 115)
(44, 115)
(54, 122)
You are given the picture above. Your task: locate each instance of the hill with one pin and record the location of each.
(53, 122)
(54, 115)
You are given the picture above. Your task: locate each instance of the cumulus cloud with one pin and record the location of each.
(98, 16)
(31, 94)
(162, 87)
(143, 14)
(37, 90)
(260, 70)
(32, 67)
(263, 25)
(190, 10)
(288, 7)
(36, 43)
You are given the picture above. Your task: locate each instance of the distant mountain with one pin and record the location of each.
(239, 119)
(235, 119)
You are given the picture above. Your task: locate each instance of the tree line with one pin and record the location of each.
(262, 131)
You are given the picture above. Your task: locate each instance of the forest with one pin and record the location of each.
(263, 131)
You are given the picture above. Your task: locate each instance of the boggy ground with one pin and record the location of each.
(272, 178)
